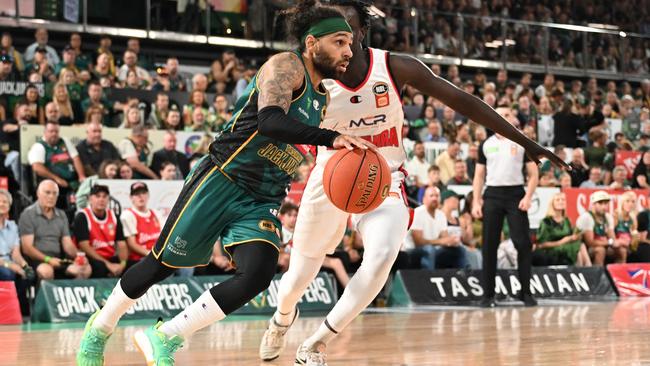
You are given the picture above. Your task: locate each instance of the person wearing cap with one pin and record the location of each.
(134, 149)
(7, 70)
(161, 82)
(7, 48)
(597, 228)
(41, 39)
(42, 65)
(428, 239)
(69, 61)
(141, 224)
(99, 234)
(500, 167)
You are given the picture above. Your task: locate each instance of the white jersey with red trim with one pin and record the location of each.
(372, 110)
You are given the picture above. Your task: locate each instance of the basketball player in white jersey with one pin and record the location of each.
(366, 102)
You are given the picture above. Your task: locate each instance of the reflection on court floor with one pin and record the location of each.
(614, 333)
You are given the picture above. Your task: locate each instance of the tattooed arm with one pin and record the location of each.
(278, 79)
(280, 76)
(411, 71)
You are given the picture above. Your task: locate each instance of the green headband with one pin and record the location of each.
(327, 26)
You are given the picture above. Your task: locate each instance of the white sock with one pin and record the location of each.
(323, 334)
(116, 305)
(203, 312)
(302, 270)
(380, 232)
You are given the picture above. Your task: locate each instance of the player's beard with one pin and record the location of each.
(326, 66)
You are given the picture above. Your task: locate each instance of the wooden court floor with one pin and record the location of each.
(614, 333)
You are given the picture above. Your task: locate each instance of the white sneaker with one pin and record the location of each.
(311, 356)
(273, 341)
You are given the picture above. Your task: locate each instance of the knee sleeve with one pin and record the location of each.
(144, 274)
(256, 263)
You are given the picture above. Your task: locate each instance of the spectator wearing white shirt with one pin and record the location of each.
(54, 157)
(428, 237)
(41, 37)
(130, 63)
(418, 166)
(597, 228)
(134, 149)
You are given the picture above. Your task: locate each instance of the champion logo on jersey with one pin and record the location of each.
(356, 99)
(380, 89)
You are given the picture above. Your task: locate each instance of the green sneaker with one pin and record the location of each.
(157, 348)
(91, 350)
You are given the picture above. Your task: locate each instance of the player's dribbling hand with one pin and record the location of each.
(351, 142)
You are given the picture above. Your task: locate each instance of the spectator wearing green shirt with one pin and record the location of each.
(558, 244)
(595, 154)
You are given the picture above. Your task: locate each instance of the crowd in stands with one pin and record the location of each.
(441, 32)
(71, 231)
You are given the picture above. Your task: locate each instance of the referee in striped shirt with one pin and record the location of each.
(500, 167)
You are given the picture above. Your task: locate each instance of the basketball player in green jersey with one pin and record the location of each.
(235, 191)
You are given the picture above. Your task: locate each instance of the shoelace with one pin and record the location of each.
(95, 344)
(275, 336)
(314, 357)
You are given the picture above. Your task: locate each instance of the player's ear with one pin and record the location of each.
(310, 42)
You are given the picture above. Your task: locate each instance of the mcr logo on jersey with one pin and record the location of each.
(380, 90)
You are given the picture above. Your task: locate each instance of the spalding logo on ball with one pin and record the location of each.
(356, 181)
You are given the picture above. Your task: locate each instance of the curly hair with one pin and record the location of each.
(304, 15)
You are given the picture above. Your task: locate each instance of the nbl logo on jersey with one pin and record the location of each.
(380, 90)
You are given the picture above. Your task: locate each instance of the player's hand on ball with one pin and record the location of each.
(351, 142)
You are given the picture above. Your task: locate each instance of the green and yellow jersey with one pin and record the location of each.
(262, 165)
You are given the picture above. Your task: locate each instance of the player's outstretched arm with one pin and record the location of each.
(278, 79)
(411, 71)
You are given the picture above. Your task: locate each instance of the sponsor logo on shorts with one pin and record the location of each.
(267, 225)
(178, 246)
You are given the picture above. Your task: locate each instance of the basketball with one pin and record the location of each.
(356, 181)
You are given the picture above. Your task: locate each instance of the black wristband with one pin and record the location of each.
(274, 123)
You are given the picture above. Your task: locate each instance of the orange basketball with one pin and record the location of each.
(356, 181)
